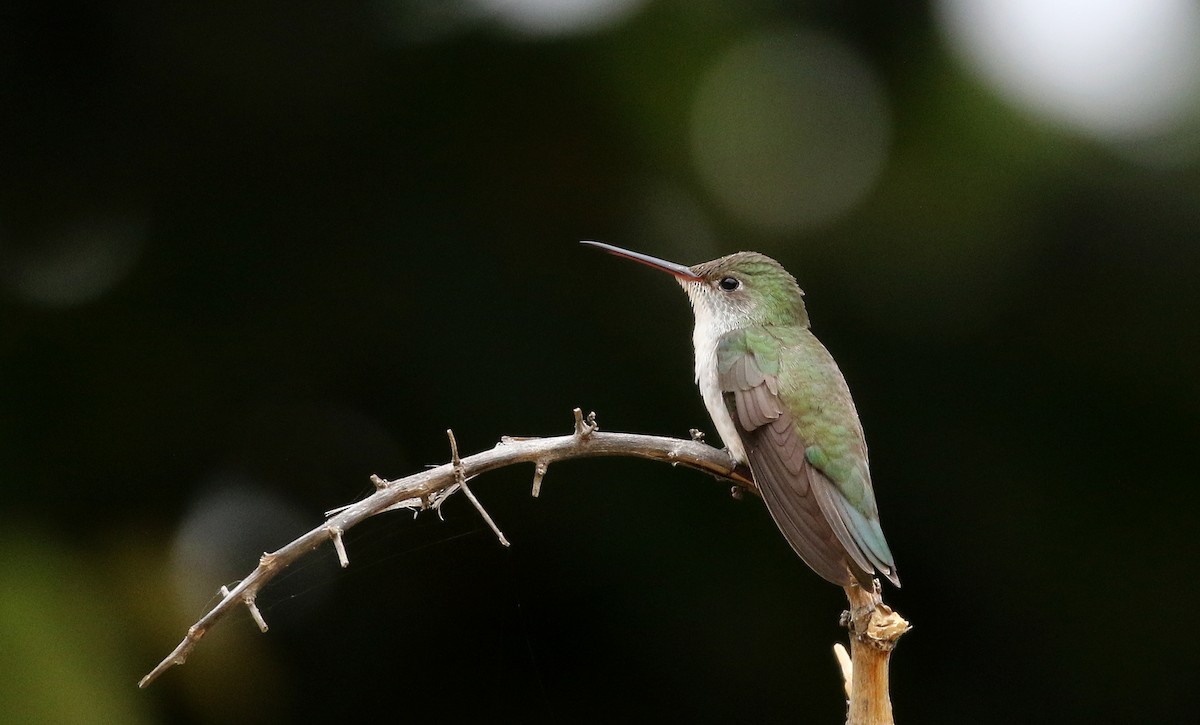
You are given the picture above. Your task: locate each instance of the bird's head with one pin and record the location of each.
(738, 290)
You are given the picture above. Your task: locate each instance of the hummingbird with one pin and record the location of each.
(781, 406)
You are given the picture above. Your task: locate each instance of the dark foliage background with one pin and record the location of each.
(253, 254)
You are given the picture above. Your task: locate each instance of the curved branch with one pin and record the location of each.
(429, 489)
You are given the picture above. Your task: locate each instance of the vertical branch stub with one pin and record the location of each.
(874, 629)
(455, 461)
(584, 427)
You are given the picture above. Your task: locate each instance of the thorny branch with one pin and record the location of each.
(874, 627)
(430, 488)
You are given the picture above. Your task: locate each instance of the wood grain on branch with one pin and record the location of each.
(874, 630)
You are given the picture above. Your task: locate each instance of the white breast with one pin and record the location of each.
(704, 338)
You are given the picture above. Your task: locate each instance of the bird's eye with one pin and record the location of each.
(729, 284)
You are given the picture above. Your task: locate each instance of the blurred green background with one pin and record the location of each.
(251, 254)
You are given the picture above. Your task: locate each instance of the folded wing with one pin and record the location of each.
(836, 540)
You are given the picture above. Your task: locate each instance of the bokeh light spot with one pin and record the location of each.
(1113, 69)
(225, 532)
(789, 130)
(558, 17)
(76, 264)
(428, 21)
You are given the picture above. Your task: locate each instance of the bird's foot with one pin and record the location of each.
(864, 603)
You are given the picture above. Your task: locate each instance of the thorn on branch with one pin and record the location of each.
(460, 478)
(737, 492)
(255, 614)
(380, 484)
(454, 459)
(584, 428)
(697, 434)
(248, 600)
(539, 472)
(335, 533)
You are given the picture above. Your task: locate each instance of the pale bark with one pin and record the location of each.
(874, 628)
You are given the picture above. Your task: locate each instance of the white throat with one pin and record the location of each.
(708, 331)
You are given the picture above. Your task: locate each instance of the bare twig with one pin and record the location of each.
(430, 488)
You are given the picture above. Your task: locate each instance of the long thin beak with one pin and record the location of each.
(678, 270)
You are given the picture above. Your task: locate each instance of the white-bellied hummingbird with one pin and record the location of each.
(781, 405)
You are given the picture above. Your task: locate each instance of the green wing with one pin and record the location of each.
(809, 461)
